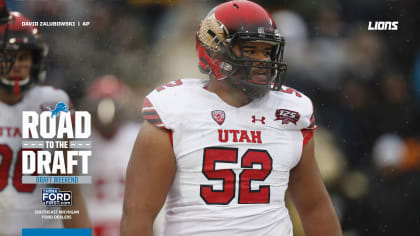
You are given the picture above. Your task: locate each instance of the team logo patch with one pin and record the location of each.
(287, 116)
(218, 116)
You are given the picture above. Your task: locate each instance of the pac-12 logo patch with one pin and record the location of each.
(55, 197)
(218, 116)
(287, 116)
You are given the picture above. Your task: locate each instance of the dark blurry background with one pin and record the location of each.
(365, 85)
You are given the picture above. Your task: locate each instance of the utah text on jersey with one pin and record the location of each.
(233, 164)
(18, 199)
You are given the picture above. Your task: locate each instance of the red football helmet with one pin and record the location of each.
(15, 36)
(236, 22)
(106, 99)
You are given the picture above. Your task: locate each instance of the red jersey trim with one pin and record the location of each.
(307, 135)
(147, 103)
(312, 123)
(150, 114)
(171, 137)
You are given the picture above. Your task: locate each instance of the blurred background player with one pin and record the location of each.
(113, 134)
(225, 150)
(22, 54)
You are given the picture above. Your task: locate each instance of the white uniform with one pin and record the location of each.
(108, 166)
(233, 164)
(108, 169)
(18, 201)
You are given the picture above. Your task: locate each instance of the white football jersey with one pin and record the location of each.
(233, 163)
(108, 166)
(18, 201)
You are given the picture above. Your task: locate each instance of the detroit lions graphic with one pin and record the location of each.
(58, 108)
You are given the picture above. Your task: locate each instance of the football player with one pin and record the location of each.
(223, 152)
(22, 54)
(114, 138)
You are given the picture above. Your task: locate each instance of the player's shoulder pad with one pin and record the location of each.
(48, 95)
(175, 86)
(163, 106)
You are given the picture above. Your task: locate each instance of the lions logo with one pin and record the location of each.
(58, 108)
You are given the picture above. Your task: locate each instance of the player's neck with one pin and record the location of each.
(10, 98)
(232, 96)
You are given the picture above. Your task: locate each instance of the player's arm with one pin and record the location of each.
(150, 172)
(311, 198)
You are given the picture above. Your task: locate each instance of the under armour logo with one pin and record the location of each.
(262, 120)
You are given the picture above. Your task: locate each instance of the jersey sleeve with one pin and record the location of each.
(306, 110)
(150, 114)
(309, 124)
(162, 107)
(312, 124)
